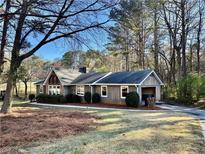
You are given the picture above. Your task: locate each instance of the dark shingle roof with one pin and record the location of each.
(88, 78)
(134, 77)
(39, 82)
(66, 76)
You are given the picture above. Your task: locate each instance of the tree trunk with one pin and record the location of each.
(8, 95)
(127, 50)
(26, 90)
(183, 38)
(4, 36)
(141, 51)
(9, 88)
(16, 90)
(191, 58)
(179, 61)
(173, 66)
(156, 43)
(127, 61)
(199, 39)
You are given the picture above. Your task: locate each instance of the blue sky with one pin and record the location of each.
(55, 50)
(94, 40)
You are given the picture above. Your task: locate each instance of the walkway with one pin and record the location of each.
(90, 107)
(200, 114)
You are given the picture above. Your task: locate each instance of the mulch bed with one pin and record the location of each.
(103, 105)
(26, 124)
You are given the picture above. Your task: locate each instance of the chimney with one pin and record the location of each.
(82, 69)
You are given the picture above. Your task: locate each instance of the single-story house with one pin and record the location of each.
(112, 86)
(56, 81)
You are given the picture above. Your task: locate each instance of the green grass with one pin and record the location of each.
(17, 102)
(152, 132)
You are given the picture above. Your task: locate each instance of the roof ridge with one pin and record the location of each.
(134, 71)
(102, 77)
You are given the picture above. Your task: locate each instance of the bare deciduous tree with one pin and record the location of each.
(48, 20)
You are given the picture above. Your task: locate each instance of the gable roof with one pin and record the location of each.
(66, 76)
(133, 77)
(155, 75)
(73, 77)
(88, 78)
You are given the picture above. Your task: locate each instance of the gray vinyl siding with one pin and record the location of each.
(72, 90)
(151, 81)
(69, 90)
(87, 88)
(114, 94)
(37, 89)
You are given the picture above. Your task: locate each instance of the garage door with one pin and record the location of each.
(148, 91)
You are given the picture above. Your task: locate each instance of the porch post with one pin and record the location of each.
(139, 91)
(91, 92)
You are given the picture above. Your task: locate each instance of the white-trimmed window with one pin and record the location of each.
(80, 90)
(54, 90)
(124, 91)
(103, 91)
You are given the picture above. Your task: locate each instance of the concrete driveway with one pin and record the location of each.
(200, 114)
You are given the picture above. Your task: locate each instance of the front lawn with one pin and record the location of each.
(29, 124)
(152, 132)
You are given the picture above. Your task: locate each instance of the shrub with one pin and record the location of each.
(184, 100)
(132, 99)
(72, 98)
(76, 99)
(169, 92)
(50, 99)
(96, 98)
(40, 98)
(69, 98)
(62, 99)
(31, 97)
(187, 90)
(87, 97)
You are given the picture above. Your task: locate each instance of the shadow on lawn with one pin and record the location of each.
(128, 132)
(121, 132)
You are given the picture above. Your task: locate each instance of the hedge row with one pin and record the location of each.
(132, 98)
(70, 98)
(51, 99)
(95, 98)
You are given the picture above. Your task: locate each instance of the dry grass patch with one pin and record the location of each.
(27, 124)
(143, 132)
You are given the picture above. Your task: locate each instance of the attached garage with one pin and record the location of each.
(150, 87)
